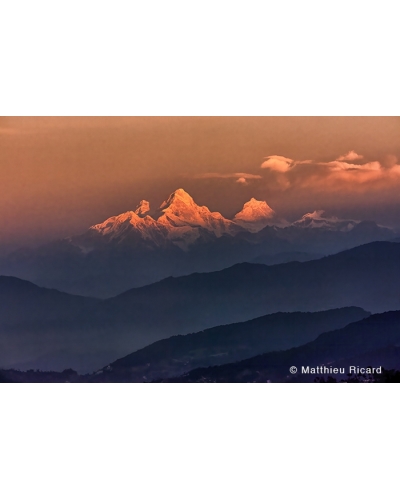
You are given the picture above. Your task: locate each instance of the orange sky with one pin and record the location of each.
(59, 175)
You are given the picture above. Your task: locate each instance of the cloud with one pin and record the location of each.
(216, 175)
(389, 161)
(335, 175)
(242, 180)
(249, 176)
(350, 156)
(278, 163)
(341, 165)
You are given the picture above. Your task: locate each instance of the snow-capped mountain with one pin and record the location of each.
(119, 227)
(182, 220)
(142, 246)
(316, 220)
(179, 220)
(255, 215)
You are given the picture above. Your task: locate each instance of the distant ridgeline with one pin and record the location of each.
(347, 353)
(369, 346)
(46, 329)
(142, 246)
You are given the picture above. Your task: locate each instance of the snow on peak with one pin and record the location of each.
(316, 216)
(143, 208)
(254, 215)
(183, 220)
(255, 210)
(179, 220)
(316, 219)
(178, 199)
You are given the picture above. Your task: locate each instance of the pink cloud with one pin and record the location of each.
(241, 180)
(216, 175)
(350, 156)
(278, 163)
(334, 175)
(341, 165)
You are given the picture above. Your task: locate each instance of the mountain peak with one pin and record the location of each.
(180, 221)
(254, 210)
(181, 193)
(179, 196)
(143, 208)
(317, 219)
(184, 221)
(316, 215)
(254, 215)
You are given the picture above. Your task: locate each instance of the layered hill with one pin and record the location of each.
(33, 323)
(370, 342)
(365, 277)
(285, 257)
(21, 300)
(223, 344)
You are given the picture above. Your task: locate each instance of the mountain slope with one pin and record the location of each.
(365, 277)
(372, 340)
(33, 321)
(22, 300)
(285, 257)
(224, 344)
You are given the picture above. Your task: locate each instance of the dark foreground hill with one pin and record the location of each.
(370, 342)
(223, 344)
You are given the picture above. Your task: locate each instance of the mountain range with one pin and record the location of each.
(142, 246)
(372, 341)
(42, 328)
(155, 293)
(227, 343)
